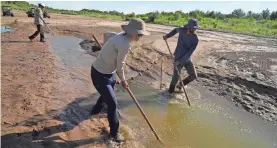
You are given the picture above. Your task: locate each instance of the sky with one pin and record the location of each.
(140, 7)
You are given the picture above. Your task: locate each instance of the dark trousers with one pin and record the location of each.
(39, 30)
(104, 84)
(192, 75)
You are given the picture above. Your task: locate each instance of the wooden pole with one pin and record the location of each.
(143, 114)
(179, 74)
(97, 41)
(49, 27)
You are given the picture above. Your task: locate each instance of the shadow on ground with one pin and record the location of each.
(71, 116)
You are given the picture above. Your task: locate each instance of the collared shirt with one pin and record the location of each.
(186, 44)
(38, 12)
(113, 54)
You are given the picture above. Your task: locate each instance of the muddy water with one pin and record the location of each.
(212, 121)
(6, 29)
(67, 48)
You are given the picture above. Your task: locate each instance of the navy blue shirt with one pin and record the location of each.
(186, 44)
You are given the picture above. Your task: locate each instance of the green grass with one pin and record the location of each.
(238, 25)
(262, 27)
(23, 6)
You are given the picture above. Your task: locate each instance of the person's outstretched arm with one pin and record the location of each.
(170, 34)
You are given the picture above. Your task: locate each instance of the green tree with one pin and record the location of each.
(249, 14)
(211, 14)
(152, 16)
(179, 12)
(196, 13)
(220, 15)
(238, 13)
(265, 14)
(131, 15)
(178, 15)
(257, 16)
(273, 15)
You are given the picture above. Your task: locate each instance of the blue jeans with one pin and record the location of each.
(104, 84)
(190, 70)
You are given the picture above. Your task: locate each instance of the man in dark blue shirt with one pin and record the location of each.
(187, 43)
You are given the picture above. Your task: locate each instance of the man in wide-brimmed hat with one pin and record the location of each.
(109, 62)
(187, 43)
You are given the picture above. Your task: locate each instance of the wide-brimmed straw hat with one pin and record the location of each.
(135, 26)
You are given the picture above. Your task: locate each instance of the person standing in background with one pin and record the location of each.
(38, 17)
(187, 43)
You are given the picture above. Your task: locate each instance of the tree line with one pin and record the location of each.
(260, 24)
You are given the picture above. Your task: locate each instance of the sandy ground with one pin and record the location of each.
(38, 93)
(41, 106)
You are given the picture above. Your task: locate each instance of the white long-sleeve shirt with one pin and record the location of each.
(112, 56)
(38, 14)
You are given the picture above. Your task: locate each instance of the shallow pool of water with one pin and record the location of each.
(67, 48)
(6, 29)
(205, 124)
(211, 122)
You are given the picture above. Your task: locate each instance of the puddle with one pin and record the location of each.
(67, 48)
(208, 123)
(6, 29)
(212, 121)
